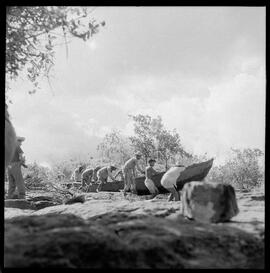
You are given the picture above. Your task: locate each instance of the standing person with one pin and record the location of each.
(10, 139)
(168, 181)
(129, 173)
(103, 174)
(76, 175)
(149, 183)
(15, 178)
(86, 176)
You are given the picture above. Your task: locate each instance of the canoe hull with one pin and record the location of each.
(110, 186)
(194, 172)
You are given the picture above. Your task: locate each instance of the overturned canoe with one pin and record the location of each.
(194, 172)
(110, 186)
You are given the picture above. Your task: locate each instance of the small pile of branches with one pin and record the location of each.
(34, 183)
(67, 196)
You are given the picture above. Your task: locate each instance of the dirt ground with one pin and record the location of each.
(251, 205)
(110, 230)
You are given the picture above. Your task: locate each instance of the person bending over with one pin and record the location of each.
(168, 181)
(103, 174)
(86, 176)
(77, 174)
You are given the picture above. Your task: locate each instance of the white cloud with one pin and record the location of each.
(239, 107)
(51, 127)
(202, 70)
(45, 164)
(233, 115)
(92, 44)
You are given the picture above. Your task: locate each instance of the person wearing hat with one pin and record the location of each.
(15, 178)
(76, 175)
(86, 176)
(168, 181)
(103, 174)
(149, 172)
(129, 173)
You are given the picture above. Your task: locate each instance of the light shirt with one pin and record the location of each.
(131, 163)
(76, 176)
(169, 179)
(87, 173)
(105, 172)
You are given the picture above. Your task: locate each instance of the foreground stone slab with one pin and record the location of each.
(251, 217)
(209, 202)
(19, 203)
(125, 240)
(30, 204)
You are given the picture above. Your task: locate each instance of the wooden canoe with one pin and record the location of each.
(194, 172)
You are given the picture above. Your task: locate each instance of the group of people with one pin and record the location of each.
(100, 175)
(168, 180)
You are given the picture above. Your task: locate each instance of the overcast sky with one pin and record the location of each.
(202, 69)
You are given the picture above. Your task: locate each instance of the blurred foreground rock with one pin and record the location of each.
(108, 230)
(20, 204)
(124, 240)
(29, 204)
(209, 202)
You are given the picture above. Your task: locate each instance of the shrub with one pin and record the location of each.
(35, 176)
(244, 170)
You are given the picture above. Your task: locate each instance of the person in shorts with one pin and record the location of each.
(149, 173)
(168, 181)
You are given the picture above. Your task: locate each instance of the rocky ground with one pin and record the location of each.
(108, 230)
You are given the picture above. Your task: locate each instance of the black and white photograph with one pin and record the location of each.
(135, 137)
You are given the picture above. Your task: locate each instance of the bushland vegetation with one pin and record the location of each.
(244, 169)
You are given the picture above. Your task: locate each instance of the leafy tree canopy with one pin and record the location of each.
(152, 139)
(242, 170)
(32, 32)
(115, 148)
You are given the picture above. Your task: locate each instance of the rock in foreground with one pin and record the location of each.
(29, 204)
(19, 203)
(209, 202)
(124, 240)
(109, 231)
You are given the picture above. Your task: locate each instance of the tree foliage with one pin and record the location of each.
(169, 145)
(115, 148)
(32, 33)
(152, 139)
(35, 175)
(243, 170)
(143, 140)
